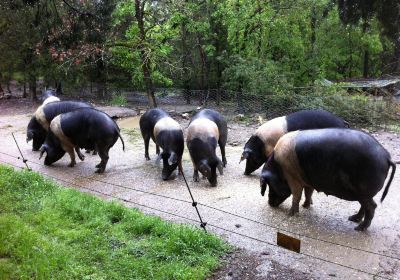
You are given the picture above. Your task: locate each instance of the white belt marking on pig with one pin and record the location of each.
(50, 99)
(270, 132)
(55, 127)
(166, 123)
(285, 155)
(202, 128)
(41, 118)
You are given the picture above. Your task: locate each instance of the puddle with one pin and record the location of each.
(129, 123)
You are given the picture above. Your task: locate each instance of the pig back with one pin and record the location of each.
(345, 163)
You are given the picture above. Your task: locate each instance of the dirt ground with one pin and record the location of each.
(235, 210)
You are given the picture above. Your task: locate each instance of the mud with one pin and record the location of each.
(129, 123)
(234, 209)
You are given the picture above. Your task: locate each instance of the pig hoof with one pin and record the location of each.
(292, 212)
(360, 227)
(82, 157)
(98, 165)
(355, 218)
(100, 170)
(71, 164)
(307, 204)
(196, 179)
(147, 157)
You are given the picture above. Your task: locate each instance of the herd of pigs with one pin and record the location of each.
(309, 149)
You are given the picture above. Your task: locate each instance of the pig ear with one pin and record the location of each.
(263, 184)
(220, 167)
(29, 136)
(244, 156)
(173, 158)
(42, 149)
(267, 177)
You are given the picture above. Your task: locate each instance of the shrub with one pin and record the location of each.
(118, 99)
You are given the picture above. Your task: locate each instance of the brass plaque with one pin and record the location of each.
(288, 242)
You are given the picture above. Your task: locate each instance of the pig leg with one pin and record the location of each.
(78, 152)
(222, 147)
(180, 169)
(359, 216)
(103, 153)
(70, 151)
(157, 149)
(296, 190)
(146, 139)
(369, 206)
(195, 175)
(308, 191)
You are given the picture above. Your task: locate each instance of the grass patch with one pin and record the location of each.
(51, 232)
(133, 134)
(118, 100)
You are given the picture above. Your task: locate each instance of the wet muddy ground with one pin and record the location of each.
(235, 210)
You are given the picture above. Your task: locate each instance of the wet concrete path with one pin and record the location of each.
(235, 209)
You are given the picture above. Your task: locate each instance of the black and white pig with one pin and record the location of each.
(49, 96)
(206, 129)
(167, 134)
(39, 123)
(86, 128)
(261, 144)
(345, 163)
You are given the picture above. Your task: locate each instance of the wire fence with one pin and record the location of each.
(203, 224)
(358, 108)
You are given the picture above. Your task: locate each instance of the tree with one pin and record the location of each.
(388, 13)
(141, 41)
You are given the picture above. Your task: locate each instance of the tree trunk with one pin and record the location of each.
(24, 94)
(146, 68)
(1, 89)
(396, 57)
(366, 52)
(185, 55)
(59, 89)
(239, 98)
(204, 84)
(366, 64)
(32, 87)
(8, 86)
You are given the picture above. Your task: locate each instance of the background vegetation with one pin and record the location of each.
(252, 48)
(51, 232)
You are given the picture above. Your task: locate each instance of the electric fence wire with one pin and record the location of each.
(209, 224)
(229, 213)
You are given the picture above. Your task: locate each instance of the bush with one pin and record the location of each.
(359, 110)
(118, 99)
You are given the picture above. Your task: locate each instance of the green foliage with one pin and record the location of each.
(118, 99)
(359, 110)
(255, 75)
(258, 46)
(129, 48)
(51, 232)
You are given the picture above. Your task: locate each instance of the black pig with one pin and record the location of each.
(86, 128)
(39, 123)
(206, 129)
(346, 163)
(167, 134)
(262, 142)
